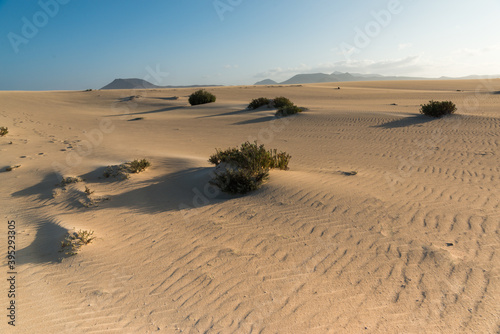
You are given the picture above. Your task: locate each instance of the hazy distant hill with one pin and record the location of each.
(310, 78)
(266, 82)
(340, 77)
(140, 84)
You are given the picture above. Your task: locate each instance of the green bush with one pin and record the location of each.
(280, 102)
(288, 110)
(201, 97)
(239, 181)
(438, 109)
(74, 241)
(261, 101)
(124, 170)
(138, 166)
(3, 131)
(69, 180)
(247, 167)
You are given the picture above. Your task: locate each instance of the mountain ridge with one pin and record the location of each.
(134, 83)
(342, 77)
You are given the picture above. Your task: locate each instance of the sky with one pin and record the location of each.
(81, 44)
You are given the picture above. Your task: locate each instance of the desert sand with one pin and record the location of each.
(410, 244)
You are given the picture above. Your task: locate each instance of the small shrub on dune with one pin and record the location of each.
(74, 241)
(138, 166)
(69, 180)
(3, 131)
(438, 109)
(201, 97)
(244, 169)
(239, 181)
(281, 102)
(279, 160)
(124, 170)
(260, 102)
(288, 110)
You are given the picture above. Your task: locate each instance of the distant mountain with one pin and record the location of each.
(129, 84)
(341, 77)
(337, 77)
(472, 77)
(266, 82)
(141, 84)
(309, 78)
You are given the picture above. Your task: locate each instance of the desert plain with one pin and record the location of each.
(388, 221)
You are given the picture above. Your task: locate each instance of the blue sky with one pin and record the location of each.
(79, 44)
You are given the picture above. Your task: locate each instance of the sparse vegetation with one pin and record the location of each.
(68, 180)
(281, 102)
(245, 169)
(284, 105)
(3, 131)
(74, 241)
(201, 97)
(239, 181)
(117, 171)
(138, 166)
(11, 168)
(288, 110)
(124, 170)
(88, 191)
(438, 109)
(260, 102)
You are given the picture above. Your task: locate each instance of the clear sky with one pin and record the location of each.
(80, 44)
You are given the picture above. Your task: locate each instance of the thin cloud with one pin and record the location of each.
(403, 46)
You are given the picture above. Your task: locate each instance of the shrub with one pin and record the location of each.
(3, 131)
(261, 101)
(288, 110)
(117, 171)
(74, 241)
(280, 160)
(280, 102)
(438, 109)
(247, 167)
(69, 180)
(88, 191)
(122, 171)
(138, 166)
(239, 181)
(201, 97)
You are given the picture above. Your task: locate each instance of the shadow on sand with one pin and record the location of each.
(147, 112)
(45, 248)
(256, 120)
(236, 112)
(43, 189)
(407, 121)
(186, 189)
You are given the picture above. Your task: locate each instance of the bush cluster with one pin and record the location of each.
(284, 105)
(3, 131)
(201, 97)
(246, 167)
(74, 241)
(138, 166)
(289, 110)
(282, 102)
(260, 102)
(123, 171)
(438, 109)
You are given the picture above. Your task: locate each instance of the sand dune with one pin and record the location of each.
(410, 244)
